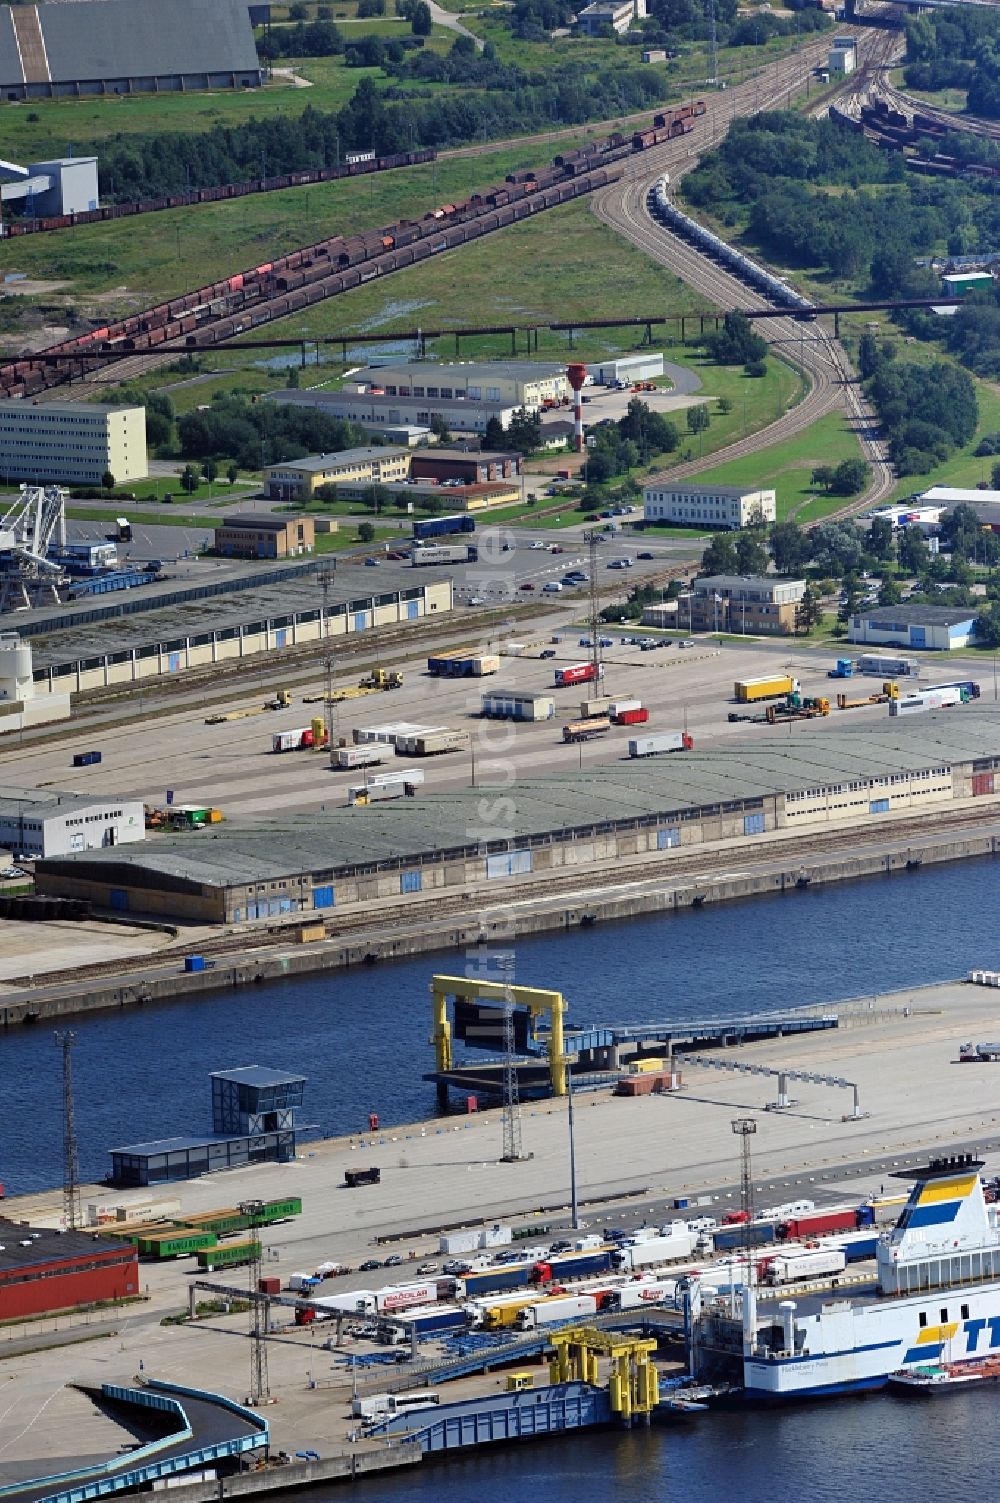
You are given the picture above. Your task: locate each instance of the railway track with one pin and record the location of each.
(623, 206)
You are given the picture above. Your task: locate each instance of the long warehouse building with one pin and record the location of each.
(323, 860)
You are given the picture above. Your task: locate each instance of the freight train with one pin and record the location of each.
(242, 302)
(217, 194)
(731, 259)
(893, 131)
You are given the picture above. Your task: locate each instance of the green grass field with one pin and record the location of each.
(786, 468)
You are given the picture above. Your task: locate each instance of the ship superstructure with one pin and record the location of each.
(936, 1296)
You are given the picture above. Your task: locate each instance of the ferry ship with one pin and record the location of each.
(935, 1297)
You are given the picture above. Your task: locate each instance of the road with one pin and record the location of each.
(623, 206)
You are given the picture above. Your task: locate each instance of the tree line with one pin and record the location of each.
(503, 100)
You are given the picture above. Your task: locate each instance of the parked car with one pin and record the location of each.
(369, 1265)
(427, 1268)
(688, 642)
(371, 563)
(393, 1261)
(548, 653)
(455, 1266)
(645, 556)
(538, 544)
(527, 585)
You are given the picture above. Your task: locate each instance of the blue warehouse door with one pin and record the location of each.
(119, 899)
(753, 824)
(360, 620)
(323, 897)
(412, 610)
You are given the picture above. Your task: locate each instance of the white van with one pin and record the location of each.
(552, 588)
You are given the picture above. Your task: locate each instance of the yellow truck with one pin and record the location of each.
(749, 690)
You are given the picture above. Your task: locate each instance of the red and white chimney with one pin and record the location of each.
(576, 375)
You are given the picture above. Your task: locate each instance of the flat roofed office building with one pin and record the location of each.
(728, 506)
(302, 478)
(71, 443)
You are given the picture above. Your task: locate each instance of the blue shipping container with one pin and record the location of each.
(735, 1236)
(194, 962)
(437, 1320)
(865, 1216)
(573, 1265)
(504, 1276)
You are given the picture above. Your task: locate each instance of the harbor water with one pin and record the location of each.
(873, 1447)
(361, 1036)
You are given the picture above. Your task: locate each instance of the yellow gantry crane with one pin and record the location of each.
(539, 1003)
(634, 1383)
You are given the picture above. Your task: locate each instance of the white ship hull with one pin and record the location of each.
(856, 1345)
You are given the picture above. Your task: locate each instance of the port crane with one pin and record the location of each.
(28, 529)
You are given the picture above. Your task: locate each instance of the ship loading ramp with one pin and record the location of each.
(179, 1429)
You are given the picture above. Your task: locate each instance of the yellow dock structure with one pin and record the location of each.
(538, 1002)
(634, 1383)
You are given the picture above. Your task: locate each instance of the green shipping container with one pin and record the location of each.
(230, 1255)
(175, 1244)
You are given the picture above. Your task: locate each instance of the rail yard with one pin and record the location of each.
(637, 1210)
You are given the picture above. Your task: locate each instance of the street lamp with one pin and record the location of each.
(574, 1210)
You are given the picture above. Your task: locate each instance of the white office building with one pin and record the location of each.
(727, 506)
(71, 443)
(45, 822)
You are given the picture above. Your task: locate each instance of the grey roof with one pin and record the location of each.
(522, 370)
(345, 456)
(45, 1245)
(61, 409)
(322, 843)
(44, 803)
(191, 616)
(481, 456)
(175, 1145)
(264, 521)
(743, 581)
(258, 1075)
(701, 488)
(95, 39)
(919, 615)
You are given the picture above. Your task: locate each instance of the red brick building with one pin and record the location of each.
(43, 1270)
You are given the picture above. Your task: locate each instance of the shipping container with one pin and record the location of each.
(756, 1235)
(631, 717)
(578, 673)
(649, 1083)
(645, 1254)
(444, 553)
(431, 743)
(750, 690)
(856, 1246)
(385, 785)
(176, 1243)
(269, 1285)
(551, 1311)
(428, 1322)
(571, 1266)
(926, 699)
(405, 1296)
(616, 707)
(663, 741)
(370, 755)
(303, 738)
(440, 527)
(492, 1280)
(591, 707)
(885, 665)
(639, 1292)
(229, 1255)
(586, 730)
(459, 663)
(795, 1267)
(353, 1177)
(818, 1223)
